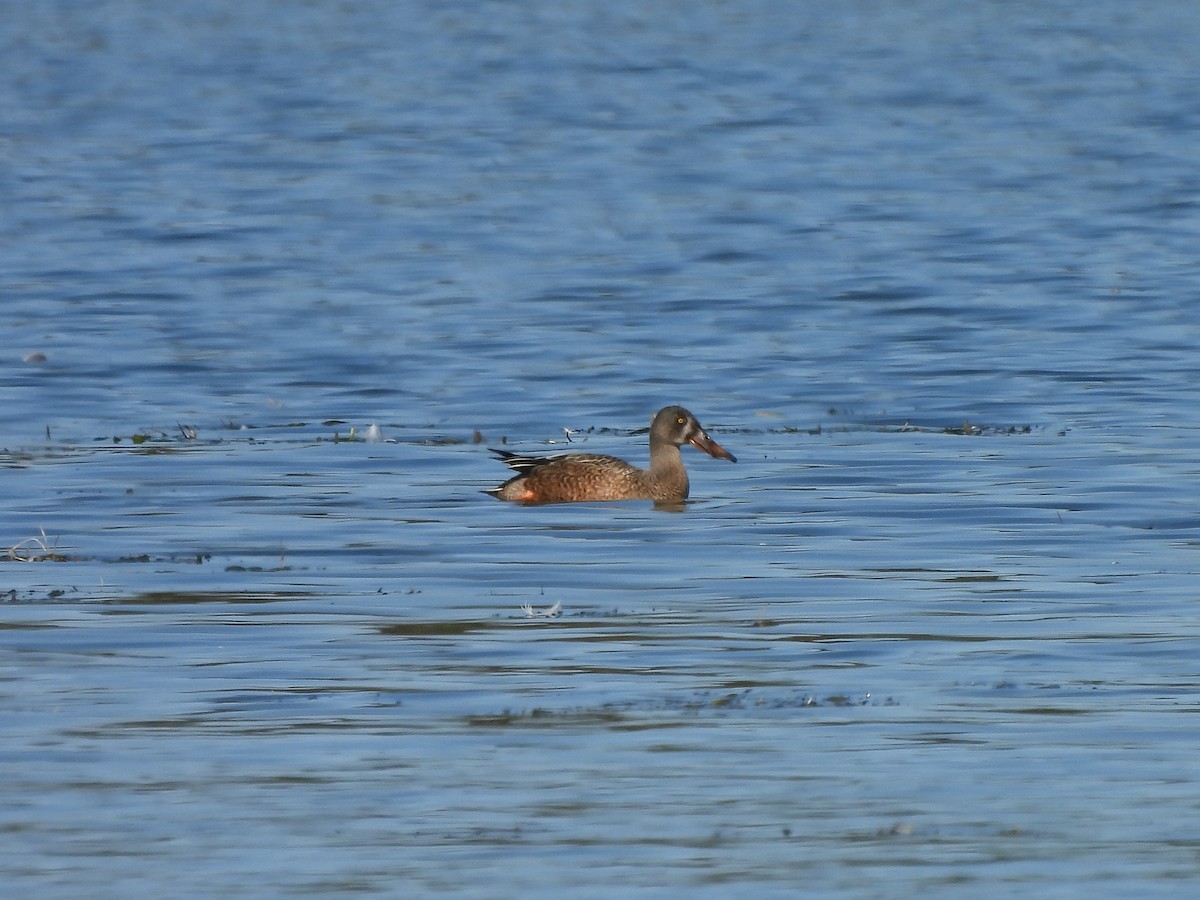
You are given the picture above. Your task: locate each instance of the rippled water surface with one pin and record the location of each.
(929, 270)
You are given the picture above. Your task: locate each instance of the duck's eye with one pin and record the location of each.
(681, 421)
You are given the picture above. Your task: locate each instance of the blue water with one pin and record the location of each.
(928, 269)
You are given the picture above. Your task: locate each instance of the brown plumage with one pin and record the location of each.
(572, 477)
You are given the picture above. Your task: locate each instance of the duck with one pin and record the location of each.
(583, 477)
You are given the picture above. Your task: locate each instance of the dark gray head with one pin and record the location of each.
(675, 425)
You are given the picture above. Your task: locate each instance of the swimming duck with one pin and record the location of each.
(574, 477)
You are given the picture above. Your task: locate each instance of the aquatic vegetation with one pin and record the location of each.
(550, 612)
(37, 549)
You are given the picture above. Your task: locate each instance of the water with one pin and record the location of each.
(928, 270)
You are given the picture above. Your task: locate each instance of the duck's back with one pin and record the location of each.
(572, 477)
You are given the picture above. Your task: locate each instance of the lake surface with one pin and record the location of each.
(928, 269)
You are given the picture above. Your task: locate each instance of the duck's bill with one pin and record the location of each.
(712, 448)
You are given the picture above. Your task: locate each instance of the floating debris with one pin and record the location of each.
(550, 612)
(37, 549)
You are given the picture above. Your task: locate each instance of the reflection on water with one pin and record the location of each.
(272, 286)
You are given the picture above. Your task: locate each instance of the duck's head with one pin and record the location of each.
(675, 425)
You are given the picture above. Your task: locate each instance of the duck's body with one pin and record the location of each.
(574, 477)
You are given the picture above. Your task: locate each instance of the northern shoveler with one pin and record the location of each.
(573, 477)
